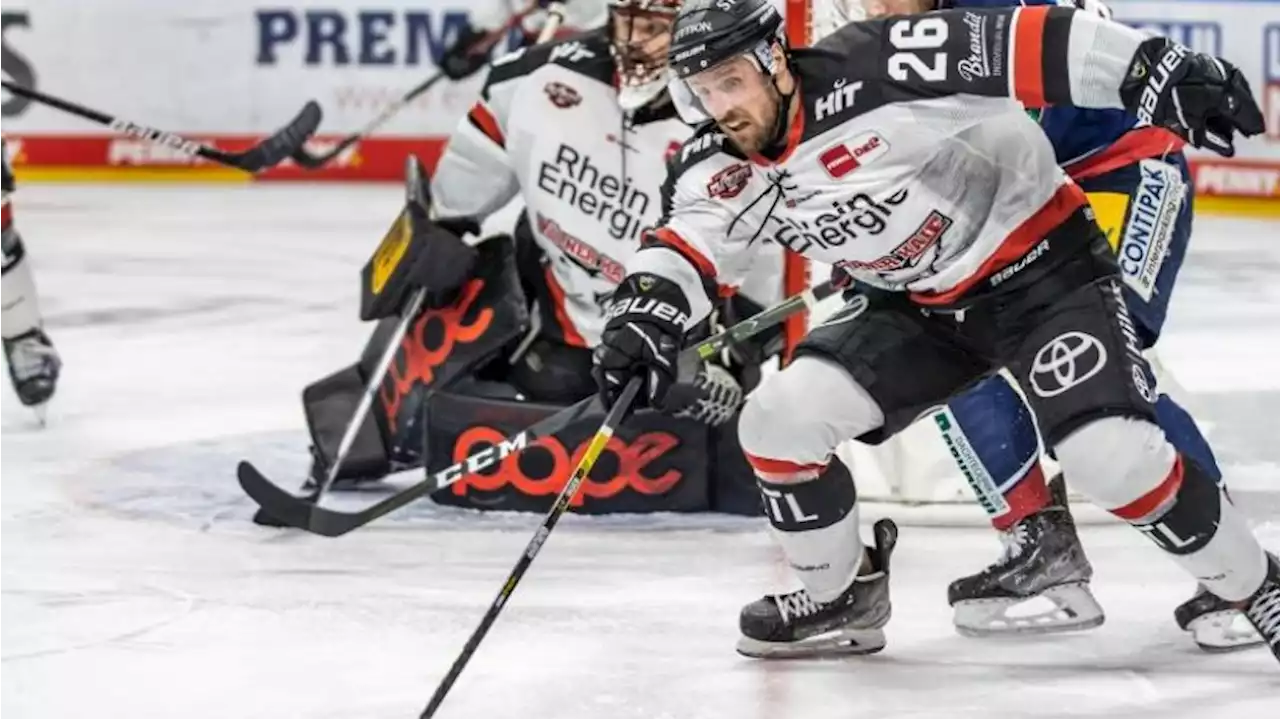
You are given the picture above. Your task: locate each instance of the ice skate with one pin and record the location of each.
(1042, 560)
(33, 368)
(1263, 608)
(783, 626)
(1215, 624)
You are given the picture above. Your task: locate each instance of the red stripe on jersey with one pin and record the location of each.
(1065, 201)
(1151, 501)
(1137, 144)
(795, 279)
(482, 118)
(1028, 46)
(668, 237)
(782, 467)
(572, 337)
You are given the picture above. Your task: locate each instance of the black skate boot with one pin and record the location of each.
(1263, 609)
(783, 626)
(1215, 624)
(1042, 558)
(33, 367)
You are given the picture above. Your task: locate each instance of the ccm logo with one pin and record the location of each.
(844, 158)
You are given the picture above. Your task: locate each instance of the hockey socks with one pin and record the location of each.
(1190, 518)
(815, 522)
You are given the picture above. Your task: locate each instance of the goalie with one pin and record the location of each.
(580, 130)
(1140, 189)
(33, 362)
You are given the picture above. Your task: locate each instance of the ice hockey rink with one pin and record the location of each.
(190, 317)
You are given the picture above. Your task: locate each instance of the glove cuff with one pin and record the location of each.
(647, 297)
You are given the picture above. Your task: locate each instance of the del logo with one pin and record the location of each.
(544, 468)
(561, 95)
(844, 158)
(416, 361)
(728, 183)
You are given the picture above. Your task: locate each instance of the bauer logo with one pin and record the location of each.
(844, 158)
(367, 38)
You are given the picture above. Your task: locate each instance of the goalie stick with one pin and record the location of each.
(267, 153)
(558, 508)
(311, 162)
(300, 512)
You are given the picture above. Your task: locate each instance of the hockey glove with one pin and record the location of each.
(711, 397)
(435, 257)
(642, 337)
(468, 54)
(1199, 97)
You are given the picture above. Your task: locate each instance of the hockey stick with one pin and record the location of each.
(268, 153)
(303, 514)
(598, 442)
(312, 162)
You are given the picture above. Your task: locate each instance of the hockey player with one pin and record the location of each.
(884, 150)
(581, 131)
(33, 362)
(1138, 184)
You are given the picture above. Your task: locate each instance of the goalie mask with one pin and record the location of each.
(639, 35)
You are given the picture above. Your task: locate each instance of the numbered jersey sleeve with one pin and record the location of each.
(475, 176)
(712, 225)
(1040, 55)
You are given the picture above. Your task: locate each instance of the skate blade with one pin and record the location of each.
(1223, 632)
(1074, 609)
(844, 642)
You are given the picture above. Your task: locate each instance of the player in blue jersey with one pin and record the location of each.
(1138, 183)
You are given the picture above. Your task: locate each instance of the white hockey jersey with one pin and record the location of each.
(548, 127)
(910, 165)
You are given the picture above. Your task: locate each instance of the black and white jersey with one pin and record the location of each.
(912, 163)
(548, 128)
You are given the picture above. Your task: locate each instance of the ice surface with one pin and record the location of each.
(189, 319)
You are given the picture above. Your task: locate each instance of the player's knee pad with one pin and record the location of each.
(1185, 436)
(21, 312)
(816, 523)
(991, 434)
(793, 421)
(1116, 461)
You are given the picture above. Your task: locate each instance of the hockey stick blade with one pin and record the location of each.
(285, 142)
(299, 512)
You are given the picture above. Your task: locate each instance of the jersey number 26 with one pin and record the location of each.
(911, 38)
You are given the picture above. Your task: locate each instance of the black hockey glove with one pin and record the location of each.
(642, 337)
(712, 396)
(468, 54)
(1201, 98)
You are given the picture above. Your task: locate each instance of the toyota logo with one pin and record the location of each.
(1065, 361)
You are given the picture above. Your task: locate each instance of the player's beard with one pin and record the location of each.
(757, 124)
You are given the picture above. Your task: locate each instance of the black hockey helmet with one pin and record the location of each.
(708, 32)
